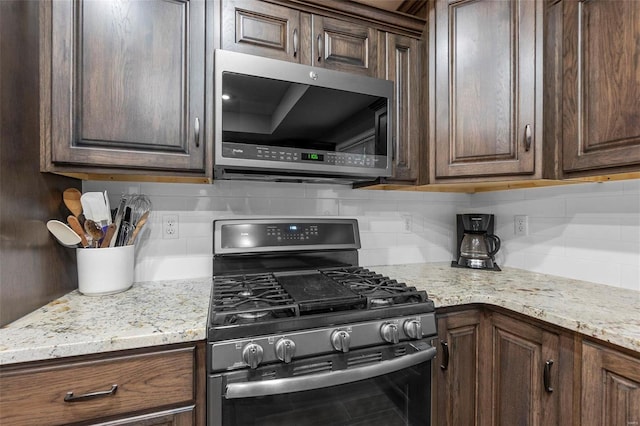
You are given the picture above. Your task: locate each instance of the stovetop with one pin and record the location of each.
(251, 304)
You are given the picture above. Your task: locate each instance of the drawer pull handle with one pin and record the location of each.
(71, 398)
(445, 355)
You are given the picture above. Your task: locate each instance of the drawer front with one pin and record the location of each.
(153, 380)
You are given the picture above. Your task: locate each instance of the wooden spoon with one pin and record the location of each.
(111, 229)
(94, 230)
(75, 225)
(71, 198)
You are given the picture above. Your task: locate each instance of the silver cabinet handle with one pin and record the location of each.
(320, 47)
(196, 131)
(323, 380)
(69, 397)
(295, 42)
(527, 137)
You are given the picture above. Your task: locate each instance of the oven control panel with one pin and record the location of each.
(263, 235)
(284, 348)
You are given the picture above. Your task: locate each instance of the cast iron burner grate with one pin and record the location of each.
(248, 298)
(379, 290)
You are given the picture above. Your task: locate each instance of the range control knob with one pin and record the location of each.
(389, 333)
(413, 329)
(340, 340)
(285, 349)
(252, 354)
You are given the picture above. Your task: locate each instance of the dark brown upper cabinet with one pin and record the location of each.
(486, 98)
(601, 85)
(123, 86)
(402, 66)
(279, 32)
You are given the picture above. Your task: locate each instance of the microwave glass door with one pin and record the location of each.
(262, 111)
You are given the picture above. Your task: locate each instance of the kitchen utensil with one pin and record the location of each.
(95, 208)
(108, 236)
(71, 198)
(118, 219)
(138, 227)
(65, 235)
(74, 223)
(94, 230)
(140, 205)
(125, 227)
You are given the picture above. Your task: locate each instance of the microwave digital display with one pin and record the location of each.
(312, 156)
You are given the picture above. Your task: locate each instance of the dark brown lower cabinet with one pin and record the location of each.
(455, 371)
(153, 386)
(496, 368)
(524, 372)
(610, 387)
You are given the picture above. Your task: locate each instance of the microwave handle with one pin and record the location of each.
(324, 380)
(320, 47)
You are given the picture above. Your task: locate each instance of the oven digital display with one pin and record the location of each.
(293, 228)
(312, 156)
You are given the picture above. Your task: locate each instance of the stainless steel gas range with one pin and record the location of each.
(299, 334)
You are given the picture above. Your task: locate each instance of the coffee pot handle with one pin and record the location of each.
(495, 241)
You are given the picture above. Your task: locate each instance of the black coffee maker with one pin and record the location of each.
(476, 243)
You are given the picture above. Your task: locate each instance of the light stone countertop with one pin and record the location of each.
(147, 314)
(158, 313)
(607, 313)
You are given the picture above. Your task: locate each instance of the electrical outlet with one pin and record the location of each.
(521, 224)
(408, 222)
(170, 226)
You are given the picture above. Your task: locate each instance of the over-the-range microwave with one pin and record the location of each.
(282, 121)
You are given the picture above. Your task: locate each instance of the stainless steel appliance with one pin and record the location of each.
(477, 245)
(299, 334)
(280, 121)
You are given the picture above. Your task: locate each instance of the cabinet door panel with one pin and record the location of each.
(127, 83)
(457, 382)
(485, 87)
(610, 387)
(261, 29)
(344, 46)
(519, 353)
(601, 84)
(403, 67)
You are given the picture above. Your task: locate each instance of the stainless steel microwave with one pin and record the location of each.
(282, 121)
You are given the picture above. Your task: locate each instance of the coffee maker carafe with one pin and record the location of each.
(476, 243)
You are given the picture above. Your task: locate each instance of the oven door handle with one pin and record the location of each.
(324, 380)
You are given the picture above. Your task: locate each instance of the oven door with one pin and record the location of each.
(376, 386)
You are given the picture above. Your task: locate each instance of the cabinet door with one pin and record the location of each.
(343, 46)
(601, 88)
(485, 87)
(610, 387)
(261, 29)
(456, 372)
(520, 392)
(127, 84)
(403, 68)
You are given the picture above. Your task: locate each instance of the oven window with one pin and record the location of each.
(400, 398)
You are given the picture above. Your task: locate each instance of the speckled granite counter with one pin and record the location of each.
(148, 314)
(158, 313)
(606, 313)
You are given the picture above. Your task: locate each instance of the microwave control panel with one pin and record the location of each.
(297, 155)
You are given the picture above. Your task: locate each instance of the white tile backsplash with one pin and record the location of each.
(585, 231)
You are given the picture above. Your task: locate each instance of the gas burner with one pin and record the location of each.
(379, 290)
(249, 298)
